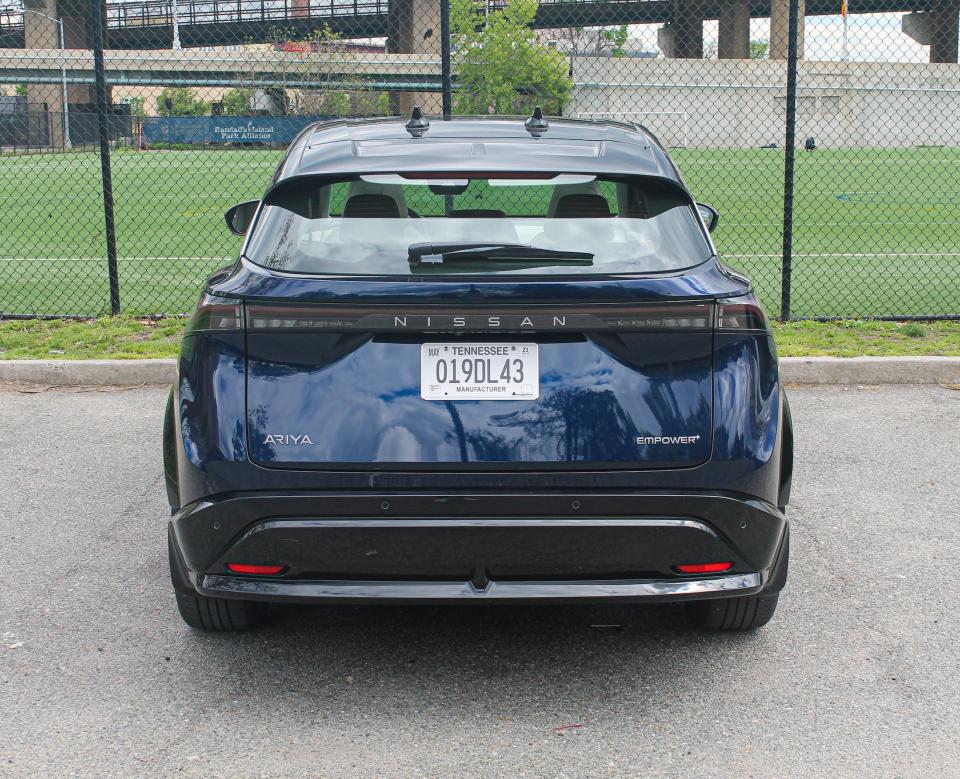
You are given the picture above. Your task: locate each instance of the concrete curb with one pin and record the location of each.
(89, 373)
(870, 370)
(793, 370)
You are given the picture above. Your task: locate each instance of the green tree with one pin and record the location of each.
(236, 102)
(759, 50)
(501, 66)
(20, 90)
(367, 102)
(325, 103)
(616, 37)
(138, 106)
(185, 103)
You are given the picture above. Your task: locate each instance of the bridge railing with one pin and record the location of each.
(198, 12)
(11, 20)
(146, 13)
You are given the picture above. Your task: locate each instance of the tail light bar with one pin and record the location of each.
(439, 319)
(741, 313)
(214, 314)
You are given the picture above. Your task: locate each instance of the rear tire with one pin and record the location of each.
(204, 613)
(746, 613)
(219, 613)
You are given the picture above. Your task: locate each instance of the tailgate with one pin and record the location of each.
(597, 387)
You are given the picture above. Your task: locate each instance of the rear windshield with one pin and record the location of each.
(478, 224)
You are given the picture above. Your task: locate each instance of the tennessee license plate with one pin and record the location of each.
(488, 371)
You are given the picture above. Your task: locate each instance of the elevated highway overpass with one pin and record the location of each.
(153, 67)
(147, 24)
(140, 38)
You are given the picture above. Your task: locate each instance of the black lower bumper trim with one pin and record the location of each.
(480, 547)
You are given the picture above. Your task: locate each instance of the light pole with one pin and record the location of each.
(63, 76)
(176, 25)
(844, 12)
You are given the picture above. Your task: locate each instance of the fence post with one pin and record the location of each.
(445, 76)
(786, 272)
(103, 127)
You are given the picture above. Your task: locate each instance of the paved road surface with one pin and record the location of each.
(859, 674)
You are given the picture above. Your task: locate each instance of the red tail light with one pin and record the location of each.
(479, 174)
(255, 570)
(703, 567)
(741, 313)
(215, 314)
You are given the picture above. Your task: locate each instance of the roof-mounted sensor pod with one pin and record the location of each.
(536, 125)
(418, 124)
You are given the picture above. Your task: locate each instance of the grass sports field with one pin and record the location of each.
(877, 231)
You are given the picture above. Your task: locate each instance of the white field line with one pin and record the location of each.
(859, 254)
(121, 259)
(898, 223)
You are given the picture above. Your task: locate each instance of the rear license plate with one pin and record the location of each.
(487, 371)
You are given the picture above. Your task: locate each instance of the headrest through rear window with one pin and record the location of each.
(371, 206)
(582, 205)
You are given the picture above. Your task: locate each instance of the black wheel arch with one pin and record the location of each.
(170, 455)
(786, 456)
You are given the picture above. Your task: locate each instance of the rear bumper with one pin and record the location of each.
(438, 592)
(480, 547)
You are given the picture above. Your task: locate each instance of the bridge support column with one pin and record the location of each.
(413, 27)
(780, 29)
(734, 29)
(944, 28)
(41, 32)
(688, 29)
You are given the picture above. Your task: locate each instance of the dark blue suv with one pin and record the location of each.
(477, 360)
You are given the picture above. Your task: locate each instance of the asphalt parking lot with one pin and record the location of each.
(858, 674)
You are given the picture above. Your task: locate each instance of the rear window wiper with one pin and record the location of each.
(498, 252)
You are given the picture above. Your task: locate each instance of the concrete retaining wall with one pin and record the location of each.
(742, 103)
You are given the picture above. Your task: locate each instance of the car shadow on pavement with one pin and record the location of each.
(522, 654)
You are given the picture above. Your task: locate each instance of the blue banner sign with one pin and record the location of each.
(225, 129)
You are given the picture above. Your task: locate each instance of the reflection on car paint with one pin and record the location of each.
(592, 409)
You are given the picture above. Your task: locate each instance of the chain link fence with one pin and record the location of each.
(825, 132)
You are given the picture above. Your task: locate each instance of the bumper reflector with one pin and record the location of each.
(703, 567)
(256, 570)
